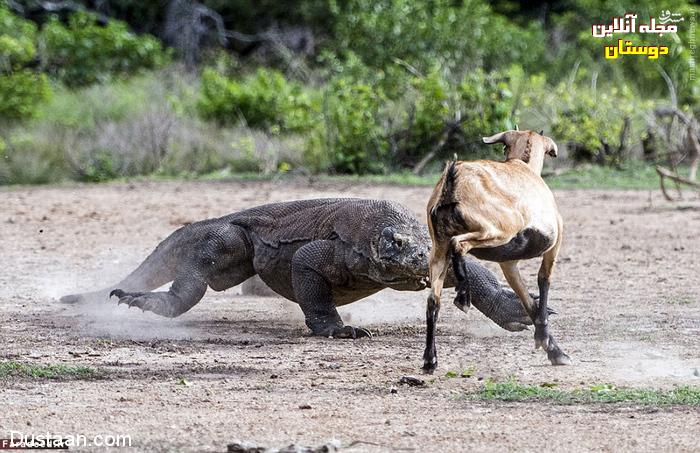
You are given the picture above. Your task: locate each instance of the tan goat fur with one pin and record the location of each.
(485, 204)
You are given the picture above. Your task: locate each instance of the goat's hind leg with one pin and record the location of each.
(460, 246)
(542, 336)
(463, 300)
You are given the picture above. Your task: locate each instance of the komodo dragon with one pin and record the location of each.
(318, 253)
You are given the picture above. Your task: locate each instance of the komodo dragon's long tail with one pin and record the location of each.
(159, 268)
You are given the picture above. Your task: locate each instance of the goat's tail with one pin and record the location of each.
(159, 268)
(445, 218)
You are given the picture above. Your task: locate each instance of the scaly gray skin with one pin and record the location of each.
(318, 253)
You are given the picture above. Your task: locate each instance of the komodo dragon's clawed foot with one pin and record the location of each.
(342, 332)
(350, 332)
(72, 299)
(130, 299)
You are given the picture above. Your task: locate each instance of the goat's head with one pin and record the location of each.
(528, 146)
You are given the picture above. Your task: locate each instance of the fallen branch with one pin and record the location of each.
(450, 128)
(666, 173)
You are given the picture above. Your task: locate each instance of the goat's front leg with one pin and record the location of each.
(438, 272)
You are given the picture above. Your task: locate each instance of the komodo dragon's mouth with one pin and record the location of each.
(420, 282)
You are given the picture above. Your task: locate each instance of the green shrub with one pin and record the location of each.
(24, 159)
(485, 105)
(482, 102)
(21, 92)
(352, 131)
(457, 35)
(423, 110)
(21, 89)
(591, 122)
(84, 52)
(263, 100)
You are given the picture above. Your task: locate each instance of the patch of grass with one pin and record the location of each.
(41, 371)
(635, 175)
(681, 301)
(511, 390)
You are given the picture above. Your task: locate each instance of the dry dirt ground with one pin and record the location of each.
(627, 289)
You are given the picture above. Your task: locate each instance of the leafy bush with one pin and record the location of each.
(459, 36)
(593, 122)
(486, 102)
(353, 135)
(84, 52)
(21, 89)
(448, 118)
(263, 100)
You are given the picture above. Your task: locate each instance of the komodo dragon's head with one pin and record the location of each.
(402, 253)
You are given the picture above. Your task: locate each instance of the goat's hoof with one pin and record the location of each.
(542, 337)
(462, 302)
(542, 343)
(559, 359)
(429, 365)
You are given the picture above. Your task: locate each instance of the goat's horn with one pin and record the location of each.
(501, 137)
(542, 132)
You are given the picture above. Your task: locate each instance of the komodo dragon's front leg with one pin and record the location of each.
(314, 271)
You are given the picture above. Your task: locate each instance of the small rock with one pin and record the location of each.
(393, 390)
(412, 381)
(304, 406)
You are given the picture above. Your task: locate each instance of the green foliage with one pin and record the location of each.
(591, 122)
(486, 100)
(100, 167)
(458, 36)
(481, 102)
(21, 89)
(263, 100)
(21, 92)
(17, 37)
(84, 52)
(353, 135)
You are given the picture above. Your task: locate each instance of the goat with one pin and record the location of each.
(497, 211)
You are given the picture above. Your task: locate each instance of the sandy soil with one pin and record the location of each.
(627, 289)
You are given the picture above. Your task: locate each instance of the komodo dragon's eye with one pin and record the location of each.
(400, 240)
(389, 243)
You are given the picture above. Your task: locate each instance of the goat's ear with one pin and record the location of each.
(551, 147)
(542, 132)
(501, 137)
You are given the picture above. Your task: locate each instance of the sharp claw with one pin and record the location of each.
(515, 326)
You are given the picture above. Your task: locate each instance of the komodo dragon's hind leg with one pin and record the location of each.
(314, 270)
(220, 260)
